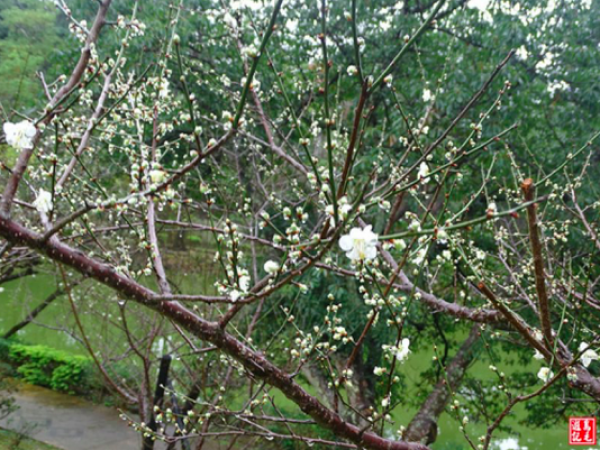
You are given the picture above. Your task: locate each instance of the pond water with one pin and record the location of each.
(19, 297)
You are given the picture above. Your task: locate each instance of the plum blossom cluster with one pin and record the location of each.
(286, 187)
(20, 135)
(360, 244)
(237, 282)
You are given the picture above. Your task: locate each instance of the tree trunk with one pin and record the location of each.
(159, 394)
(423, 427)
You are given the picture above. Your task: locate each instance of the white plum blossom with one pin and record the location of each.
(420, 256)
(545, 374)
(244, 282)
(330, 210)
(538, 355)
(157, 176)
(423, 171)
(442, 236)
(399, 244)
(20, 135)
(492, 209)
(352, 70)
(271, 266)
(344, 207)
(403, 350)
(360, 244)
(234, 295)
(427, 95)
(250, 51)
(414, 225)
(379, 371)
(164, 91)
(588, 355)
(43, 201)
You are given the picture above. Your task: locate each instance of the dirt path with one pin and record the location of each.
(69, 422)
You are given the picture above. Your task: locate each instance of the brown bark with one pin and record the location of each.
(254, 362)
(439, 305)
(584, 380)
(538, 262)
(364, 94)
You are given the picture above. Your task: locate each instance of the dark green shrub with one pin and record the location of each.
(51, 368)
(58, 370)
(67, 376)
(5, 349)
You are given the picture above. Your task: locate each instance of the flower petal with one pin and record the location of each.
(356, 233)
(9, 128)
(371, 252)
(585, 361)
(346, 243)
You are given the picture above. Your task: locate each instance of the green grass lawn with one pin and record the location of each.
(9, 440)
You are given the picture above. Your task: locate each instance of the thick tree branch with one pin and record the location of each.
(538, 262)
(423, 427)
(254, 362)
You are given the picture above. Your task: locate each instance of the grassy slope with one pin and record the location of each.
(8, 439)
